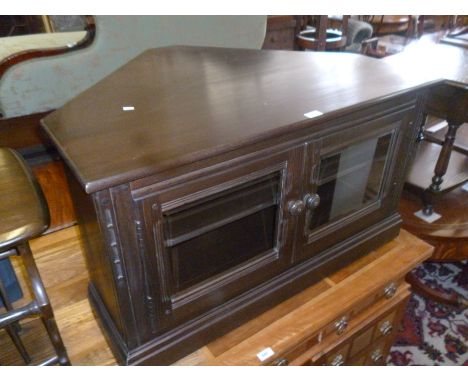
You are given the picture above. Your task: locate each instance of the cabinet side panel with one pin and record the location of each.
(93, 246)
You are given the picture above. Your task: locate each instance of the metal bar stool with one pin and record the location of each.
(24, 215)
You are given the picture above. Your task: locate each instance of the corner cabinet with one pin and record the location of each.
(199, 210)
(214, 234)
(193, 256)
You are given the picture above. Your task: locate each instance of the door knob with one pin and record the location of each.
(295, 207)
(312, 201)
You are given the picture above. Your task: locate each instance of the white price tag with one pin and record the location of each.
(265, 354)
(128, 108)
(313, 114)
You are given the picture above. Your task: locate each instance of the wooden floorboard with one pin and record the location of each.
(63, 270)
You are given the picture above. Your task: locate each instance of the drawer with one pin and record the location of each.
(361, 341)
(340, 326)
(368, 330)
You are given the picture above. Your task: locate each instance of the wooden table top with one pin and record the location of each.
(192, 102)
(291, 321)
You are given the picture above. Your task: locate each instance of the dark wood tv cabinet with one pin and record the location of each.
(210, 184)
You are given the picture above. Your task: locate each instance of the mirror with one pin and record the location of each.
(26, 37)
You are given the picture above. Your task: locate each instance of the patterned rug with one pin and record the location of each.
(433, 333)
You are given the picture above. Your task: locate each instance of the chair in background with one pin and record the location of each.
(24, 216)
(392, 24)
(321, 33)
(359, 36)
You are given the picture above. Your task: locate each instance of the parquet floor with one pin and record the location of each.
(62, 266)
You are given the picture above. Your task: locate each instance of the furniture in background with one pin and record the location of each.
(10, 284)
(440, 164)
(392, 24)
(391, 43)
(359, 34)
(316, 33)
(240, 195)
(437, 168)
(24, 216)
(435, 23)
(448, 235)
(281, 31)
(6, 273)
(20, 25)
(457, 37)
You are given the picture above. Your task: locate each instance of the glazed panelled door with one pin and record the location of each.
(351, 181)
(217, 234)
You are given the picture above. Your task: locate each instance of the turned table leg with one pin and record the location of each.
(440, 169)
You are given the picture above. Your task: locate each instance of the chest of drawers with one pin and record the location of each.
(350, 317)
(210, 184)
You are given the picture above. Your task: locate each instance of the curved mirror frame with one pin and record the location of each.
(29, 54)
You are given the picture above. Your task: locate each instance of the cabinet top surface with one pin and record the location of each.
(187, 103)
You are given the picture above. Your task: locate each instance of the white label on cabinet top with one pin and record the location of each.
(265, 354)
(313, 114)
(128, 108)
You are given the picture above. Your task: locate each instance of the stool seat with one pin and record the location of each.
(23, 209)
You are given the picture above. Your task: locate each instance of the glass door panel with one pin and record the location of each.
(349, 180)
(216, 233)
